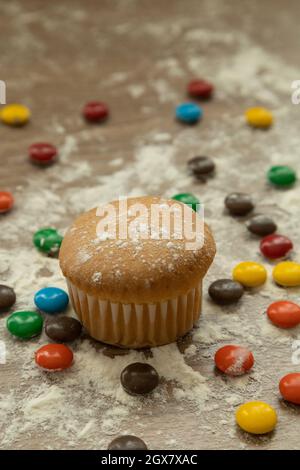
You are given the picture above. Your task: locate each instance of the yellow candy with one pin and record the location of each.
(259, 117)
(249, 274)
(256, 417)
(287, 274)
(15, 114)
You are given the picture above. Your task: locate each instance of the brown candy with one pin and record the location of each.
(225, 291)
(7, 297)
(201, 166)
(127, 442)
(261, 225)
(239, 203)
(63, 329)
(139, 378)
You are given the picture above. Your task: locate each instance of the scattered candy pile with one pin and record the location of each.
(141, 378)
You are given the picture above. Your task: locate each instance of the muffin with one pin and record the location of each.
(141, 288)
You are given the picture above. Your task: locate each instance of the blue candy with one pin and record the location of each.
(189, 113)
(51, 300)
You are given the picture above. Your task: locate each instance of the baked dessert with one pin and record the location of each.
(143, 289)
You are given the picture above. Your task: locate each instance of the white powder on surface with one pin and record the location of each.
(136, 90)
(164, 91)
(86, 405)
(88, 399)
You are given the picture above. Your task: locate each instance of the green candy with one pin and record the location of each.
(47, 240)
(189, 199)
(25, 324)
(281, 175)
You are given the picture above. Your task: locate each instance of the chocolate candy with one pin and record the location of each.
(225, 291)
(42, 153)
(6, 201)
(289, 387)
(95, 111)
(63, 329)
(15, 115)
(234, 360)
(261, 225)
(54, 357)
(51, 300)
(7, 297)
(189, 199)
(287, 274)
(127, 442)
(139, 378)
(201, 166)
(275, 246)
(256, 417)
(250, 274)
(259, 117)
(200, 89)
(188, 113)
(25, 324)
(48, 240)
(239, 203)
(284, 314)
(281, 175)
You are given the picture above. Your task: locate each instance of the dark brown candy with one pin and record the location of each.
(7, 297)
(225, 291)
(261, 225)
(63, 329)
(139, 378)
(201, 166)
(239, 203)
(127, 442)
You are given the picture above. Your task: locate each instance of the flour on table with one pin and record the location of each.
(85, 406)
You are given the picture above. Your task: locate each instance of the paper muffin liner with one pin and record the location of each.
(136, 325)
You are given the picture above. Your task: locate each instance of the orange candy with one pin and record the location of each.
(284, 314)
(6, 201)
(289, 387)
(54, 357)
(234, 360)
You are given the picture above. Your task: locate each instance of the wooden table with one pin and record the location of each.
(138, 57)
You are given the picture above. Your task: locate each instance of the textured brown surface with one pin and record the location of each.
(55, 56)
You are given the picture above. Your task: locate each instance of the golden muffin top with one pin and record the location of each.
(137, 250)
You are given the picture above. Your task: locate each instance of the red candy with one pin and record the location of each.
(42, 153)
(6, 201)
(200, 89)
(234, 360)
(95, 111)
(284, 314)
(54, 357)
(289, 387)
(275, 246)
